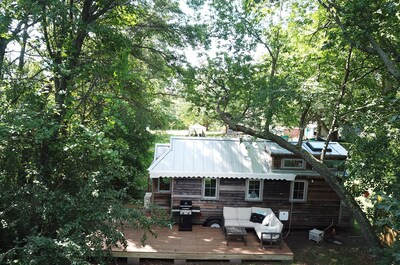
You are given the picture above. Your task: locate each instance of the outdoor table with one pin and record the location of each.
(235, 233)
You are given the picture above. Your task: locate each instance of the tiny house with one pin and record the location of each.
(217, 172)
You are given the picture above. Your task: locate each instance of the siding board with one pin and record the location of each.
(322, 206)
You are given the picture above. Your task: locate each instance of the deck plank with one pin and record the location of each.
(203, 243)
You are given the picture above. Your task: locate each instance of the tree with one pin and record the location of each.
(307, 72)
(370, 26)
(74, 111)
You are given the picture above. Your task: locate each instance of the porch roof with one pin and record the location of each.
(215, 158)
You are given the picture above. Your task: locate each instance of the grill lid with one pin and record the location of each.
(185, 204)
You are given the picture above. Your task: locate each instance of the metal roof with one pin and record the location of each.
(215, 158)
(313, 147)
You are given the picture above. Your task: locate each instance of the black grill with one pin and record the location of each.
(185, 208)
(185, 212)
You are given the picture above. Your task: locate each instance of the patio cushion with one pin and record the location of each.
(260, 210)
(231, 222)
(230, 213)
(275, 225)
(246, 223)
(244, 213)
(259, 228)
(268, 236)
(267, 219)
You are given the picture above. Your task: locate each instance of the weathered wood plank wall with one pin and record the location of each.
(322, 206)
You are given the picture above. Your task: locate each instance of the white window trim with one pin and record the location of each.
(164, 191)
(247, 198)
(286, 159)
(305, 191)
(203, 190)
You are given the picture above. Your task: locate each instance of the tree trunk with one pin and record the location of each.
(365, 226)
(23, 48)
(3, 46)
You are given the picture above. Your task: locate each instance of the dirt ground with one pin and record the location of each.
(345, 247)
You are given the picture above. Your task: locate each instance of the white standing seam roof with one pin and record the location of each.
(215, 158)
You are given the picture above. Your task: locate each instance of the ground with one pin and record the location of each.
(352, 249)
(347, 247)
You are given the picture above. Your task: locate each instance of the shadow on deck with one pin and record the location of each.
(202, 244)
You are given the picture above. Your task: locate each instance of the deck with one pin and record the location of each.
(203, 243)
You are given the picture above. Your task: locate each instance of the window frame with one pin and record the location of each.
(247, 197)
(305, 191)
(159, 182)
(293, 159)
(203, 189)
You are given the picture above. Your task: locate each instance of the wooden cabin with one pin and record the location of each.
(217, 172)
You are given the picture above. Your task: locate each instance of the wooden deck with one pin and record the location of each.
(203, 243)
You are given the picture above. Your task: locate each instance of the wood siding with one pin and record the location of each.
(319, 211)
(162, 199)
(277, 160)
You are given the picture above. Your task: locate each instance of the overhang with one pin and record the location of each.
(270, 176)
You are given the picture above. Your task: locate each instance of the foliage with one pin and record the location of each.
(76, 97)
(374, 168)
(309, 72)
(371, 26)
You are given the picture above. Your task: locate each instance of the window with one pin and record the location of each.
(210, 188)
(293, 163)
(164, 184)
(298, 191)
(254, 189)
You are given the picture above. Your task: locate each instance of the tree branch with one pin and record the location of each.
(302, 124)
(391, 67)
(343, 88)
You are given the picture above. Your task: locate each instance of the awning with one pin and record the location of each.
(272, 176)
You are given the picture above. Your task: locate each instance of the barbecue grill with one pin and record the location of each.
(185, 212)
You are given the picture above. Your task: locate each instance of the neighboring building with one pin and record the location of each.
(311, 132)
(217, 172)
